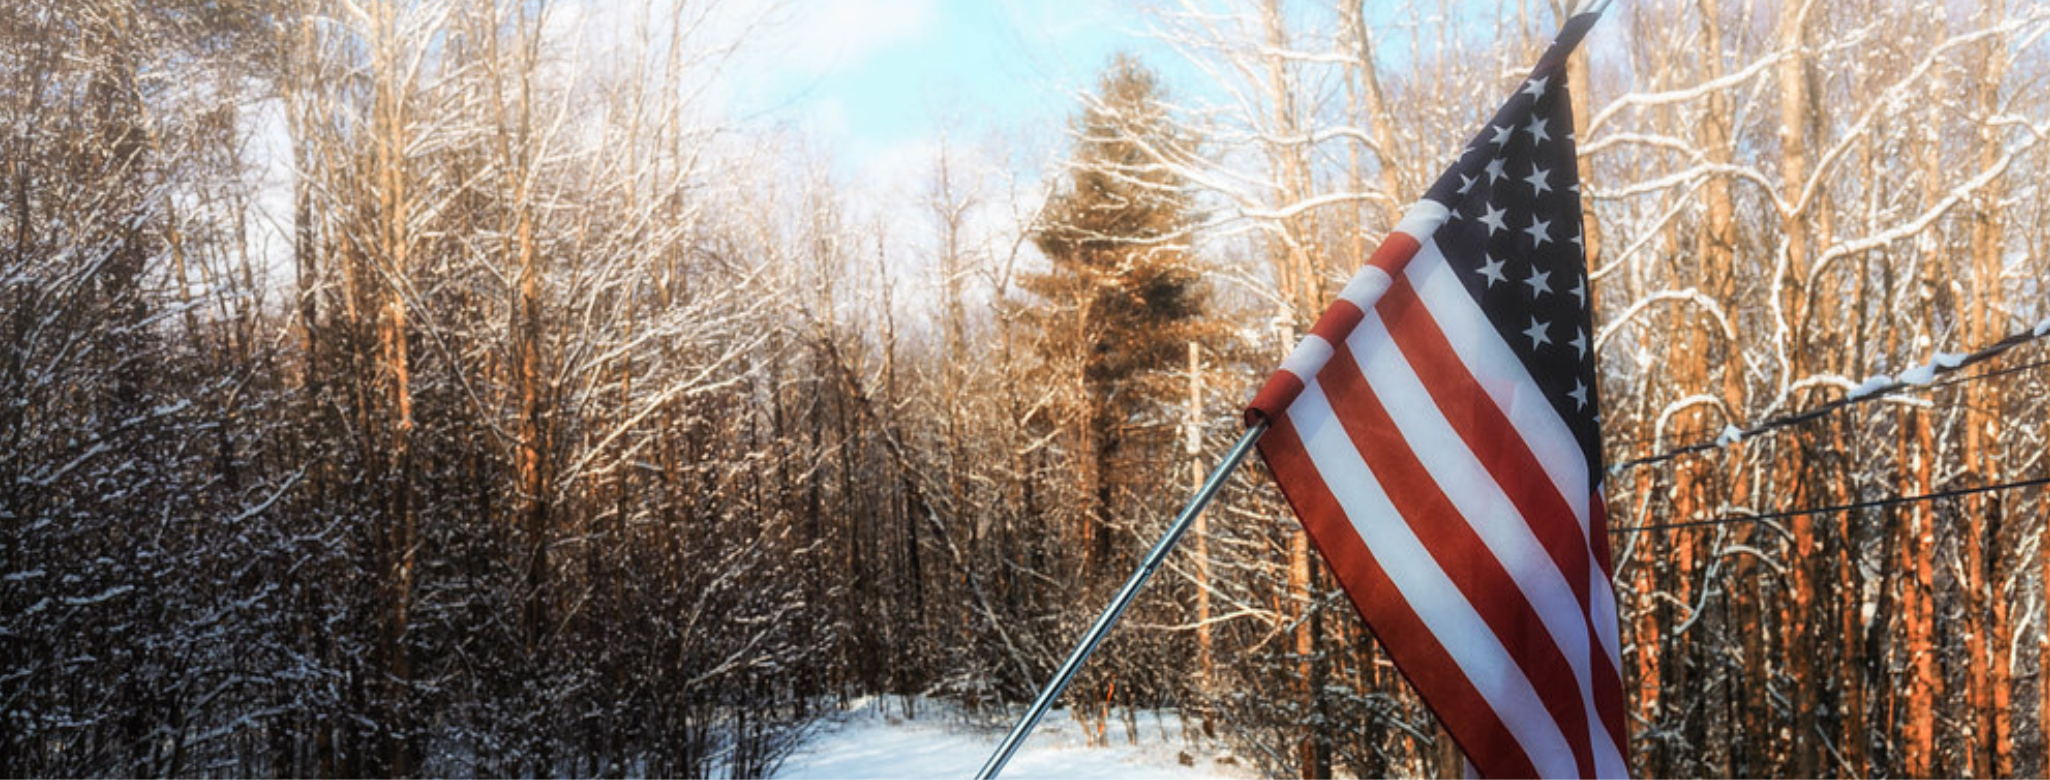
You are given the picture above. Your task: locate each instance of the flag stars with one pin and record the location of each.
(1539, 231)
(1492, 271)
(1580, 290)
(1579, 395)
(1539, 282)
(1537, 182)
(1466, 183)
(1536, 129)
(1579, 343)
(1495, 171)
(1502, 135)
(1538, 333)
(1493, 219)
(1536, 87)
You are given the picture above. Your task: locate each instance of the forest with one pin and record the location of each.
(577, 427)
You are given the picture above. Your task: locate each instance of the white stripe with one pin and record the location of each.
(1366, 287)
(1601, 607)
(1608, 756)
(1602, 610)
(1482, 504)
(1473, 491)
(1308, 357)
(1422, 219)
(1430, 593)
(1495, 365)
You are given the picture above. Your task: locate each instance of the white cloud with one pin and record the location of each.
(819, 36)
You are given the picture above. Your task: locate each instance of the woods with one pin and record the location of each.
(457, 387)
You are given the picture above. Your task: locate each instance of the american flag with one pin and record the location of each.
(1438, 434)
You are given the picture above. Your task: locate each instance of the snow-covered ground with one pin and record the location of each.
(874, 739)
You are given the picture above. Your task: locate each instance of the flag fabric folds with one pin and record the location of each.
(1437, 434)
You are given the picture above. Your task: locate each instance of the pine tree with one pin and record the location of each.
(1125, 296)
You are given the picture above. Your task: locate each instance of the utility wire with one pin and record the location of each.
(1826, 510)
(1990, 374)
(1893, 387)
(1931, 387)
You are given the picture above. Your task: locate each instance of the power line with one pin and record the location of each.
(1990, 374)
(1862, 394)
(1828, 510)
(1931, 387)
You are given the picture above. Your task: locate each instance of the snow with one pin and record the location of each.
(101, 597)
(1926, 373)
(874, 739)
(1729, 436)
(1870, 385)
(1919, 375)
(2042, 328)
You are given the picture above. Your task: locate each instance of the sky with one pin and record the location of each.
(873, 84)
(879, 81)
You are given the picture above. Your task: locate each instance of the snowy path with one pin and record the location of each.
(867, 743)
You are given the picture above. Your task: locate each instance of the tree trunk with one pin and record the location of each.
(1314, 757)
(1193, 447)
(394, 246)
(1984, 323)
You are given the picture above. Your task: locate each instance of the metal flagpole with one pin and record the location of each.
(1066, 673)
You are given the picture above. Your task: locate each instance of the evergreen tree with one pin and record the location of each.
(1125, 296)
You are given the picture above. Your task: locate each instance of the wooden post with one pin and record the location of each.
(1192, 445)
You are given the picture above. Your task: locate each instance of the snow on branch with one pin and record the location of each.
(1689, 295)
(1929, 216)
(1639, 99)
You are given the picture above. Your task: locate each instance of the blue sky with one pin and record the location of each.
(881, 79)
(876, 82)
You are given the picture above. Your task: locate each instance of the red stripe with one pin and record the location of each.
(1394, 253)
(1458, 550)
(1608, 681)
(1491, 437)
(1608, 693)
(1281, 390)
(1338, 321)
(1417, 654)
(1598, 532)
(1487, 432)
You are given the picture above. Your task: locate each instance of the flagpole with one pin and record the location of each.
(1066, 673)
